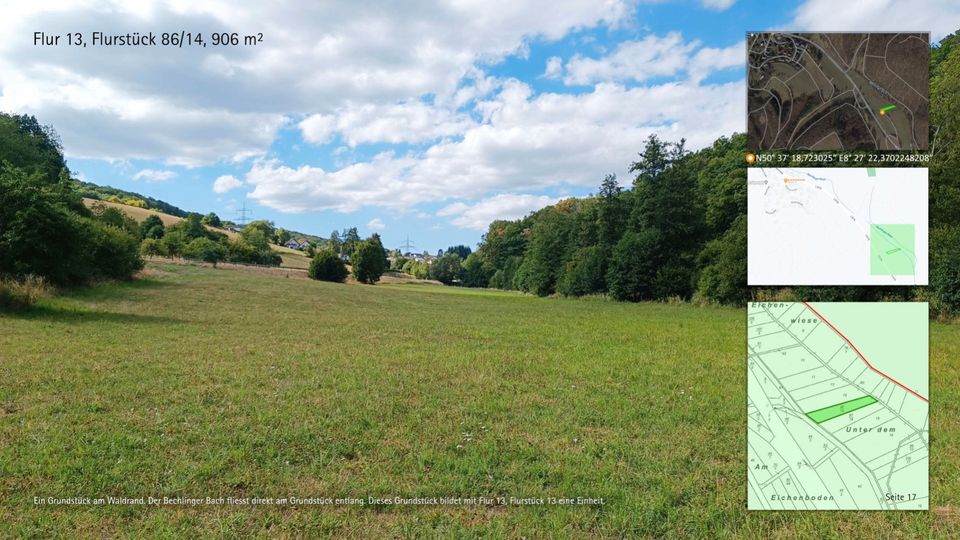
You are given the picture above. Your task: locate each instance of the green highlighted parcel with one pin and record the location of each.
(828, 413)
(892, 249)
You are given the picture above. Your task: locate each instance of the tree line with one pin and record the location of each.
(678, 230)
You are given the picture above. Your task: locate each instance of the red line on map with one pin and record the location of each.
(869, 365)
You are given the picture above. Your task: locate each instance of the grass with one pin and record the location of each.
(197, 382)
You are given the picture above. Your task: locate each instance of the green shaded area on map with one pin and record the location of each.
(824, 430)
(892, 249)
(828, 413)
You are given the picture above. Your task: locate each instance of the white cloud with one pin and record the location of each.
(376, 224)
(153, 175)
(652, 57)
(939, 17)
(197, 106)
(226, 183)
(709, 59)
(718, 5)
(554, 68)
(525, 143)
(478, 216)
(408, 122)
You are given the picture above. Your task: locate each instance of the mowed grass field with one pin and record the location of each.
(197, 382)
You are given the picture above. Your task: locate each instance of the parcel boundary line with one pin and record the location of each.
(854, 347)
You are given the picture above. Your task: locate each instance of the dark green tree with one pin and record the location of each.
(633, 267)
(461, 251)
(375, 240)
(723, 263)
(328, 266)
(212, 220)
(476, 273)
(152, 227)
(367, 262)
(30, 146)
(446, 269)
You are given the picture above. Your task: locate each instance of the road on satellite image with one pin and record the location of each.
(837, 91)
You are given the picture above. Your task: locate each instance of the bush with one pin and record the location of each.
(152, 247)
(21, 294)
(115, 252)
(327, 266)
(206, 250)
(240, 250)
(368, 262)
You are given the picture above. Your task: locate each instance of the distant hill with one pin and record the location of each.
(119, 196)
(291, 257)
(93, 191)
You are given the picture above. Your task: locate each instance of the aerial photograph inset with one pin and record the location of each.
(837, 91)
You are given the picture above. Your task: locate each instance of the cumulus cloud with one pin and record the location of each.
(407, 122)
(940, 17)
(526, 142)
(197, 106)
(653, 56)
(554, 68)
(479, 215)
(153, 175)
(376, 224)
(226, 183)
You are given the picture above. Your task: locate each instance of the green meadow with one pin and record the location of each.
(196, 382)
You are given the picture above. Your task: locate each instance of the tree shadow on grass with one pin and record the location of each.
(72, 315)
(116, 289)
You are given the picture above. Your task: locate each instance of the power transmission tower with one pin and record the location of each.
(407, 245)
(242, 218)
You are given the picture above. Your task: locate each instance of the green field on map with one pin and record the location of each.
(892, 249)
(837, 406)
(829, 413)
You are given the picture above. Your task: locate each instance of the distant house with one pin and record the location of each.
(292, 244)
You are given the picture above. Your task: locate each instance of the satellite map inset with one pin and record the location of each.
(837, 91)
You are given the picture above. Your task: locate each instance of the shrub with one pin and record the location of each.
(206, 250)
(151, 247)
(115, 252)
(240, 250)
(327, 266)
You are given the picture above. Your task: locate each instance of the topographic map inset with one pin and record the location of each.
(837, 226)
(837, 407)
(838, 91)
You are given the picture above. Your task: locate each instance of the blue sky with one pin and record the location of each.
(424, 120)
